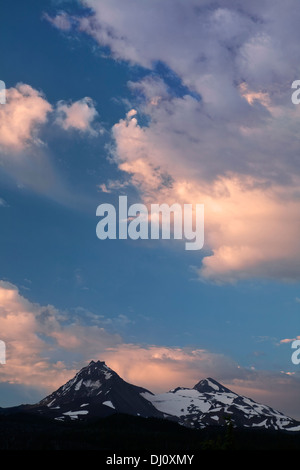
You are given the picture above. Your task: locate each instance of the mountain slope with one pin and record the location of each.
(209, 403)
(96, 391)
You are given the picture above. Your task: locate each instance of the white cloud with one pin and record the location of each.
(228, 40)
(61, 21)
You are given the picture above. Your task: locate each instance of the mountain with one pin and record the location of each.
(209, 403)
(96, 391)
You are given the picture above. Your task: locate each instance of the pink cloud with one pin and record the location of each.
(25, 157)
(289, 340)
(231, 142)
(160, 368)
(245, 215)
(78, 115)
(34, 334)
(25, 110)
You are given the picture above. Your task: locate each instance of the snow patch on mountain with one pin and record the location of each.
(108, 403)
(210, 403)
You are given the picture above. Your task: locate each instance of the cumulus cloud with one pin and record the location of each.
(24, 155)
(78, 115)
(25, 110)
(161, 368)
(246, 212)
(230, 140)
(227, 40)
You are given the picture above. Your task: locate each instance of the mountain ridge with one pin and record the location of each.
(97, 391)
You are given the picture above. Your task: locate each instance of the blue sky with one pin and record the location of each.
(222, 129)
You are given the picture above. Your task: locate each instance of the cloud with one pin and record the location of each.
(60, 21)
(25, 111)
(228, 137)
(225, 41)
(37, 337)
(179, 158)
(160, 368)
(78, 115)
(46, 347)
(289, 340)
(24, 155)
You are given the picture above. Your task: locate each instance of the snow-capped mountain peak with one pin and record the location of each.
(96, 391)
(88, 382)
(209, 403)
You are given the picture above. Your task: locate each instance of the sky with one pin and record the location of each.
(181, 101)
